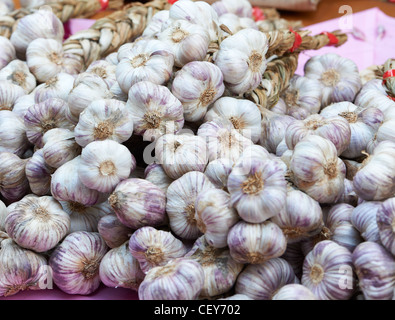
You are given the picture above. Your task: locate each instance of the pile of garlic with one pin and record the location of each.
(294, 203)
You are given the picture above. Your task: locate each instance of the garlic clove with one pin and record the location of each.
(113, 231)
(17, 72)
(7, 53)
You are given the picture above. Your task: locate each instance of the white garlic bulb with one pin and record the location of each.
(9, 94)
(17, 72)
(37, 223)
(246, 49)
(363, 218)
(235, 23)
(294, 292)
(7, 53)
(147, 60)
(154, 26)
(104, 70)
(154, 110)
(338, 75)
(218, 172)
(13, 182)
(22, 104)
(76, 261)
(385, 220)
(113, 231)
(241, 8)
(155, 174)
(3, 214)
(57, 87)
(112, 58)
(280, 107)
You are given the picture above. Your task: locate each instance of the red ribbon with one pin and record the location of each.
(104, 4)
(258, 14)
(333, 40)
(388, 74)
(392, 98)
(297, 42)
(172, 1)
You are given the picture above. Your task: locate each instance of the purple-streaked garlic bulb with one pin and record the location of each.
(364, 219)
(146, 60)
(181, 200)
(246, 49)
(21, 269)
(154, 173)
(22, 104)
(374, 180)
(57, 87)
(339, 77)
(205, 86)
(104, 70)
(241, 8)
(12, 133)
(44, 116)
(302, 97)
(335, 129)
(235, 23)
(257, 188)
(349, 196)
(375, 269)
(280, 107)
(179, 154)
(104, 164)
(13, 182)
(218, 172)
(104, 119)
(119, 269)
(386, 224)
(301, 216)
(37, 223)
(76, 261)
(294, 292)
(220, 270)
(317, 170)
(215, 216)
(153, 248)
(7, 53)
(9, 94)
(112, 58)
(255, 243)
(154, 26)
(113, 231)
(263, 281)
(180, 279)
(3, 214)
(138, 203)
(154, 110)
(17, 72)
(328, 272)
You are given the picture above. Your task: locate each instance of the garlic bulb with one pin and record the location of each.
(119, 269)
(235, 23)
(300, 218)
(338, 75)
(374, 180)
(179, 154)
(294, 292)
(21, 269)
(9, 94)
(244, 115)
(7, 53)
(22, 104)
(153, 248)
(154, 110)
(147, 60)
(59, 147)
(3, 214)
(364, 219)
(76, 261)
(385, 224)
(188, 41)
(113, 231)
(154, 173)
(104, 70)
(12, 133)
(104, 164)
(13, 182)
(57, 87)
(43, 23)
(280, 107)
(273, 131)
(257, 188)
(38, 173)
(67, 186)
(317, 170)
(246, 49)
(349, 196)
(112, 58)
(205, 86)
(328, 272)
(336, 129)
(218, 172)
(181, 201)
(44, 116)
(251, 243)
(220, 270)
(17, 72)
(302, 97)
(375, 268)
(241, 8)
(138, 203)
(37, 223)
(215, 216)
(180, 279)
(154, 26)
(263, 281)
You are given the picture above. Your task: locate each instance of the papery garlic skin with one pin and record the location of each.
(235, 23)
(9, 94)
(262, 281)
(154, 26)
(280, 107)
(375, 268)
(205, 86)
(317, 170)
(294, 292)
(104, 164)
(154, 173)
(113, 231)
(104, 70)
(237, 297)
(21, 269)
(57, 87)
(220, 269)
(12, 133)
(385, 223)
(119, 269)
(7, 53)
(246, 50)
(153, 248)
(251, 243)
(180, 279)
(22, 104)
(3, 214)
(17, 72)
(218, 172)
(363, 218)
(154, 110)
(13, 182)
(349, 196)
(75, 262)
(147, 60)
(338, 75)
(273, 132)
(241, 8)
(112, 58)
(138, 203)
(37, 223)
